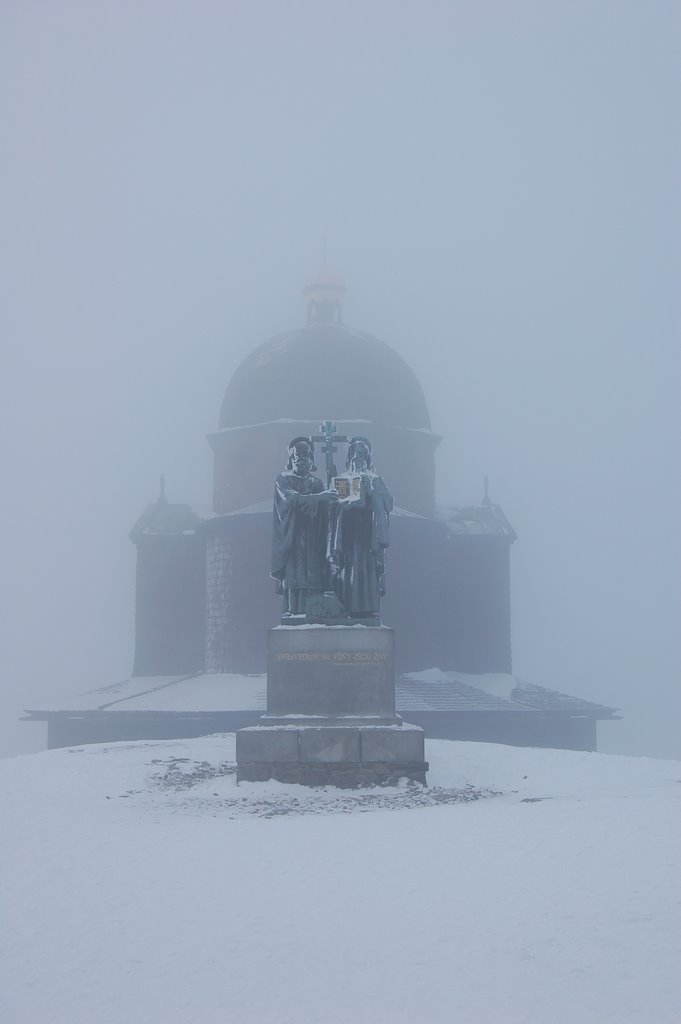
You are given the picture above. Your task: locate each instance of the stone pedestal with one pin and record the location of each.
(331, 712)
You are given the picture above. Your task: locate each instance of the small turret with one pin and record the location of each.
(324, 296)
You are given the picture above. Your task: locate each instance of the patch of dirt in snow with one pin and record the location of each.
(182, 775)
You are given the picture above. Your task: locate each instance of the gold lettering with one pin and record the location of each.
(336, 657)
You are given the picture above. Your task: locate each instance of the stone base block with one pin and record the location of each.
(331, 755)
(337, 746)
(402, 743)
(262, 743)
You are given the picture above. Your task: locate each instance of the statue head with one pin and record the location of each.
(301, 456)
(359, 454)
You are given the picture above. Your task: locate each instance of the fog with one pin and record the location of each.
(498, 184)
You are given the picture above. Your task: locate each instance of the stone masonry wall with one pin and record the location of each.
(240, 601)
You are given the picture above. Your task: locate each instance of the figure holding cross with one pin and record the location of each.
(329, 438)
(300, 530)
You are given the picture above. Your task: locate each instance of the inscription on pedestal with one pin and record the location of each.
(335, 657)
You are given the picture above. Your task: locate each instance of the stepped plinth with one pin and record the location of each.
(330, 716)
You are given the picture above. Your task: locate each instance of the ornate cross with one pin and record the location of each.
(328, 438)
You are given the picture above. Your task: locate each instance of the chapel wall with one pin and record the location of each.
(248, 459)
(169, 605)
(240, 601)
(476, 598)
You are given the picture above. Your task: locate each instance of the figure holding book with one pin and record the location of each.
(359, 534)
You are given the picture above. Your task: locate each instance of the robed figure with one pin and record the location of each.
(300, 529)
(359, 536)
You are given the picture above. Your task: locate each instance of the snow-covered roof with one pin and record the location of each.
(431, 690)
(291, 372)
(434, 690)
(312, 425)
(540, 698)
(474, 520)
(164, 519)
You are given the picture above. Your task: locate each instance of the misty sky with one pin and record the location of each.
(499, 183)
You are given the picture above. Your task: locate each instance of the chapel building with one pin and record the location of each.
(204, 597)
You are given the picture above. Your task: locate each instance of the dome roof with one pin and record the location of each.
(324, 371)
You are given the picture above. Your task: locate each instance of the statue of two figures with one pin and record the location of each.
(329, 544)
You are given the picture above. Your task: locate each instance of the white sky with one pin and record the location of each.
(499, 184)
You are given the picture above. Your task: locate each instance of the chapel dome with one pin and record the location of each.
(324, 371)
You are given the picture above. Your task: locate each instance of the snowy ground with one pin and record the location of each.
(140, 884)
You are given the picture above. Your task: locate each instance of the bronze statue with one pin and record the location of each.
(329, 546)
(300, 530)
(359, 535)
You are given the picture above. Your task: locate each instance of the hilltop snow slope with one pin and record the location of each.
(139, 884)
